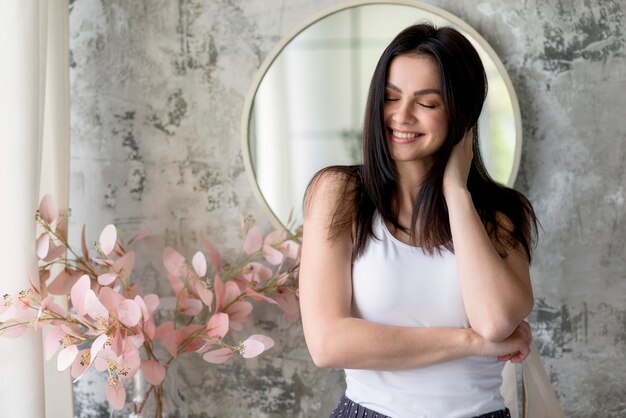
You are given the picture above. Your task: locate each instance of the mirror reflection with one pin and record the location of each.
(307, 111)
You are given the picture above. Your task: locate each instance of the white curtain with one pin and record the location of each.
(34, 160)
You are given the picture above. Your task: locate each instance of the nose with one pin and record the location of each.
(404, 113)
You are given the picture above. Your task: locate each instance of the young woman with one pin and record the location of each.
(415, 265)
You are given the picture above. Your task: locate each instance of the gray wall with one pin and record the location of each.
(157, 90)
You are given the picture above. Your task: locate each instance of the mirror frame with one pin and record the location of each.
(284, 41)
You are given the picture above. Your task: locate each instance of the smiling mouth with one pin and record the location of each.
(403, 137)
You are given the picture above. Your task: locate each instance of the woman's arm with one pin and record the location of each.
(497, 291)
(335, 338)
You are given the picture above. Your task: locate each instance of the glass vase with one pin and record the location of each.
(147, 401)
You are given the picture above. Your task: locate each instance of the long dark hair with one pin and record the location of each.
(372, 187)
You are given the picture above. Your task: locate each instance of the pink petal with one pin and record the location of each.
(257, 296)
(142, 305)
(152, 302)
(218, 325)
(129, 313)
(199, 264)
(263, 339)
(108, 236)
(153, 371)
(238, 313)
(272, 255)
(66, 357)
(110, 298)
(205, 295)
(167, 334)
(139, 235)
(63, 282)
(55, 251)
(131, 360)
(193, 329)
(215, 255)
(48, 209)
(275, 237)
(94, 308)
(124, 265)
(190, 306)
(290, 248)
(80, 364)
(43, 245)
(218, 356)
(174, 262)
(104, 262)
(107, 278)
(98, 345)
(231, 292)
(252, 348)
(61, 229)
(53, 341)
(254, 240)
(116, 394)
(78, 293)
(137, 340)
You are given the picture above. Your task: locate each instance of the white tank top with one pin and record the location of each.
(397, 284)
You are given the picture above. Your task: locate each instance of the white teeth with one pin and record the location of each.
(403, 135)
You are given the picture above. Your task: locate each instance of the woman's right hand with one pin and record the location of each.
(514, 348)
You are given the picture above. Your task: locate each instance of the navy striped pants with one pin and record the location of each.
(348, 409)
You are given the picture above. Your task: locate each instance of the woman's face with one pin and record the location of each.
(414, 112)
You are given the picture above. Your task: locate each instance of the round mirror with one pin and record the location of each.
(305, 109)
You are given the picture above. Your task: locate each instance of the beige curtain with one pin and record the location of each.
(34, 160)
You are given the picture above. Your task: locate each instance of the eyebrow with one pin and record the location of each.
(416, 93)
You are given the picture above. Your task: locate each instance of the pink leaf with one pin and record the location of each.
(116, 394)
(43, 245)
(137, 340)
(63, 282)
(263, 339)
(107, 278)
(83, 244)
(66, 357)
(257, 296)
(218, 286)
(275, 237)
(177, 284)
(167, 334)
(253, 241)
(190, 306)
(215, 255)
(199, 264)
(48, 209)
(231, 292)
(218, 325)
(94, 308)
(188, 331)
(218, 356)
(288, 302)
(61, 229)
(124, 265)
(55, 252)
(205, 295)
(152, 301)
(257, 272)
(97, 345)
(174, 262)
(130, 359)
(238, 313)
(252, 348)
(53, 341)
(290, 248)
(81, 363)
(139, 235)
(108, 236)
(142, 305)
(129, 313)
(153, 371)
(110, 298)
(272, 255)
(78, 292)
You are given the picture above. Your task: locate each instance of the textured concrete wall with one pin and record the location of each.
(157, 90)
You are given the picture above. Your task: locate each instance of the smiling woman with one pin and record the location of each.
(305, 109)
